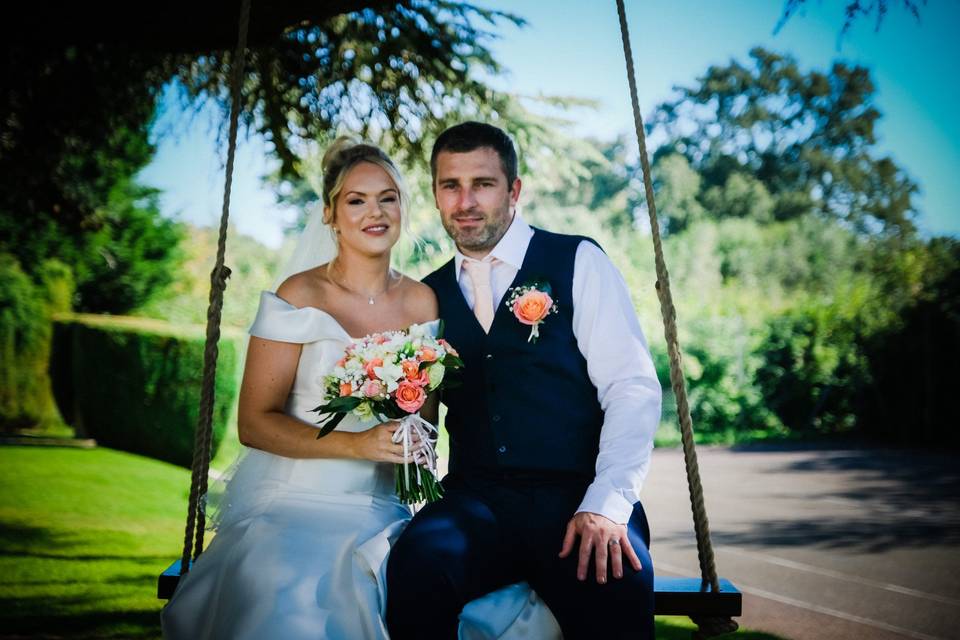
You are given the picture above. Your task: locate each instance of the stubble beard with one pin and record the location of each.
(485, 237)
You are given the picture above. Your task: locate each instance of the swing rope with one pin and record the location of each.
(196, 519)
(708, 569)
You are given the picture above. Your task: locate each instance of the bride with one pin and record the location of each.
(305, 524)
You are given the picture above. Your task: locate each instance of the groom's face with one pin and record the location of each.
(475, 200)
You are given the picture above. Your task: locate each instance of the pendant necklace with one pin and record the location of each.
(370, 297)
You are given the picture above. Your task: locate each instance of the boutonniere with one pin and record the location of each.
(531, 303)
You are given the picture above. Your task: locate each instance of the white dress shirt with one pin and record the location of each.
(618, 364)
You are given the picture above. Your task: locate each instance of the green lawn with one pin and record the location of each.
(83, 535)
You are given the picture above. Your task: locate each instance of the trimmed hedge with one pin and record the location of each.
(134, 384)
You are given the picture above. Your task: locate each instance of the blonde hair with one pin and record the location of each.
(344, 154)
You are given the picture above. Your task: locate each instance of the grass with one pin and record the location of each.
(680, 628)
(84, 534)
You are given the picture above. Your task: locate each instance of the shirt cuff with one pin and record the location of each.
(607, 502)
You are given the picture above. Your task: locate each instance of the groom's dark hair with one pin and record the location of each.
(468, 136)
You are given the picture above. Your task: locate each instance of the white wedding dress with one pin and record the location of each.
(301, 544)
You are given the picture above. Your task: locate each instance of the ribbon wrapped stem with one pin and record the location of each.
(422, 483)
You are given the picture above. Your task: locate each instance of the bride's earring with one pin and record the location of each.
(329, 219)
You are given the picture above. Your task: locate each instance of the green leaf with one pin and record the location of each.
(330, 424)
(343, 404)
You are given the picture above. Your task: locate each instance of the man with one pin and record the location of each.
(552, 429)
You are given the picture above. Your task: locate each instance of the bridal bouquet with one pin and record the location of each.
(388, 376)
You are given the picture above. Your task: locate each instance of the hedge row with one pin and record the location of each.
(134, 384)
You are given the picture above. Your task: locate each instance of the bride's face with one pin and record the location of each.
(367, 211)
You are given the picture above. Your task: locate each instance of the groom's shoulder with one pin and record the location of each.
(567, 241)
(433, 278)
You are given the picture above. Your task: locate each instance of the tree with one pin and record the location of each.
(132, 257)
(76, 118)
(75, 123)
(807, 138)
(794, 237)
(911, 396)
(855, 10)
(67, 165)
(677, 186)
(392, 74)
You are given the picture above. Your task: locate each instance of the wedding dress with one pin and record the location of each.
(301, 544)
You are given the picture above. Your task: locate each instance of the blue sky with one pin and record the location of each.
(572, 48)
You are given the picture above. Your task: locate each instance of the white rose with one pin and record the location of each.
(418, 330)
(364, 411)
(435, 373)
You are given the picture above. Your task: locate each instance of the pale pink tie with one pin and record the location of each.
(482, 293)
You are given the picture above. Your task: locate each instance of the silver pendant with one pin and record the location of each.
(370, 300)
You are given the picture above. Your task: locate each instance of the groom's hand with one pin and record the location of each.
(602, 537)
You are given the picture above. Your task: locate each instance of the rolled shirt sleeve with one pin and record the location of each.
(618, 360)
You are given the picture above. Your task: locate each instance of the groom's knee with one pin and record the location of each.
(620, 608)
(432, 550)
(451, 550)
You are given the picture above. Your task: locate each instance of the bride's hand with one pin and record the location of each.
(377, 444)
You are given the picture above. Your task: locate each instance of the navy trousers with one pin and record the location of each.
(488, 533)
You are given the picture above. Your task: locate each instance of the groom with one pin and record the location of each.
(550, 438)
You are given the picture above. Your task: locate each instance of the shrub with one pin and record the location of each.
(813, 367)
(25, 307)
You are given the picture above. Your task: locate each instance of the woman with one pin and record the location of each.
(305, 524)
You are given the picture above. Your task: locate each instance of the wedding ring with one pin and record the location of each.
(613, 542)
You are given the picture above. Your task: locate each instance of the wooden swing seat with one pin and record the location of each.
(672, 596)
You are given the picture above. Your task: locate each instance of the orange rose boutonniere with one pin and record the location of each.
(531, 303)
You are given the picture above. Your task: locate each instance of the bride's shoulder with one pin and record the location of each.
(304, 289)
(419, 300)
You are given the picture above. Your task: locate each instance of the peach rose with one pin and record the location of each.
(427, 354)
(532, 307)
(411, 369)
(342, 362)
(448, 347)
(376, 362)
(346, 389)
(410, 396)
(423, 378)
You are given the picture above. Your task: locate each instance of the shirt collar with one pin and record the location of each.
(512, 246)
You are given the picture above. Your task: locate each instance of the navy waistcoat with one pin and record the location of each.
(523, 406)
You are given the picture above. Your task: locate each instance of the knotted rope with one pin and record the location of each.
(708, 570)
(196, 519)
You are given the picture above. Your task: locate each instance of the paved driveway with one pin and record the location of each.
(824, 542)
